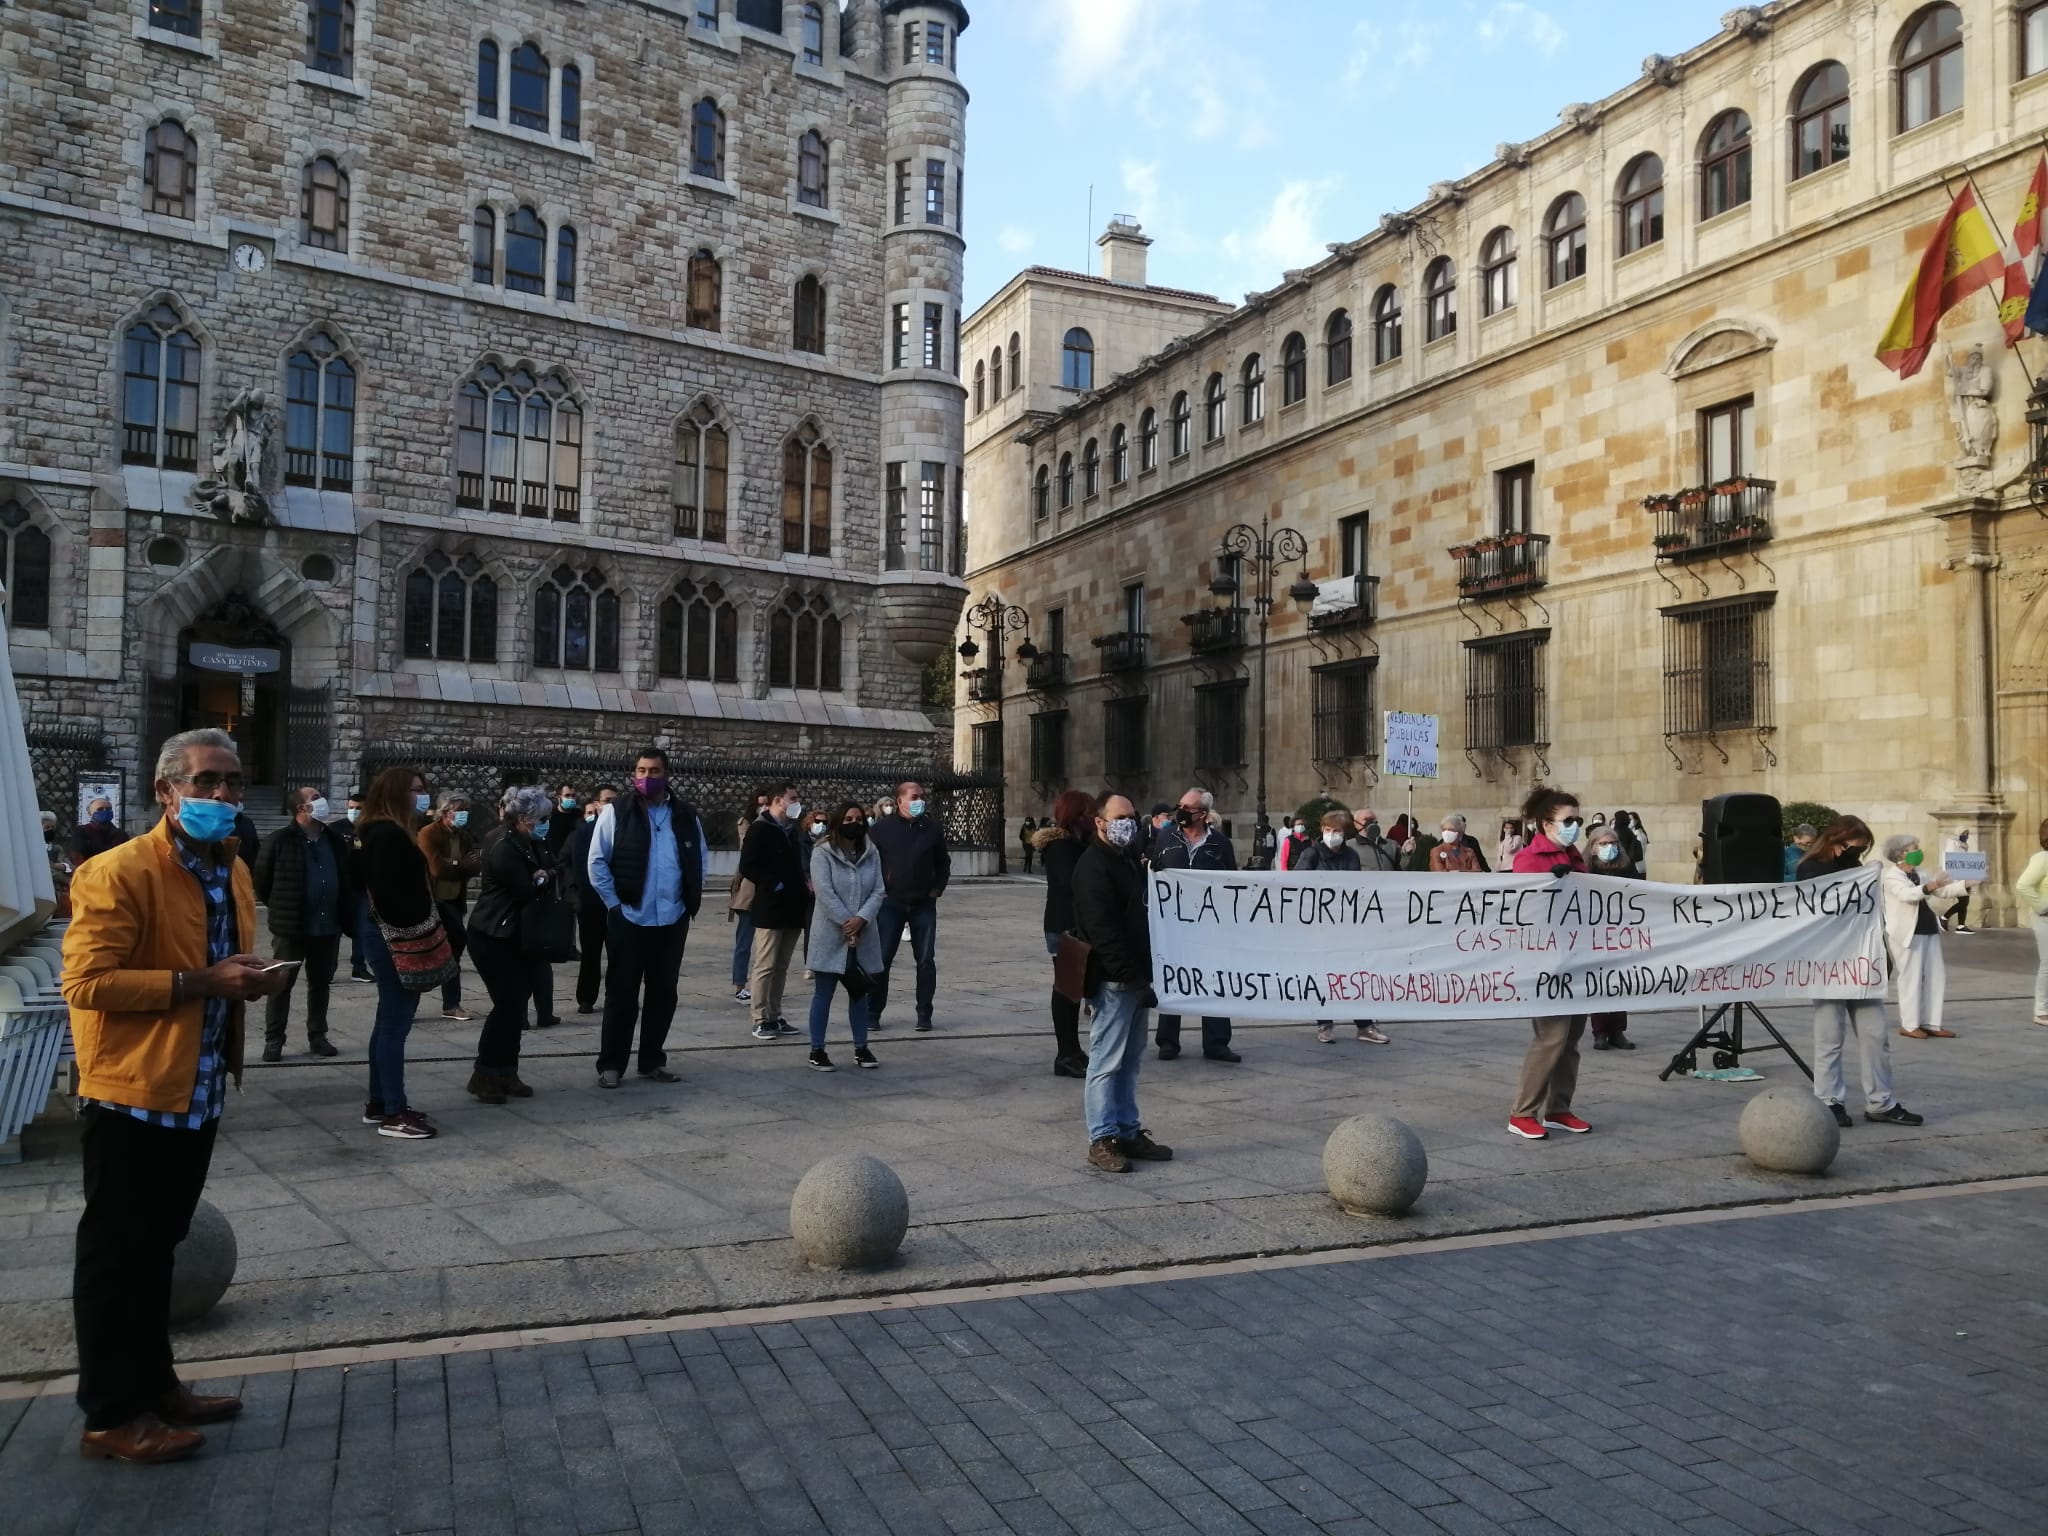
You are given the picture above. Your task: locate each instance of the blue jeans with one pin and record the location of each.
(821, 1012)
(396, 1005)
(742, 949)
(1116, 1046)
(923, 918)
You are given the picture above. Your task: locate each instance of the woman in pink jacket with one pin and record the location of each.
(1550, 1072)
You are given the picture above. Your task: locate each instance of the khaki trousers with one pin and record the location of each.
(773, 948)
(1550, 1072)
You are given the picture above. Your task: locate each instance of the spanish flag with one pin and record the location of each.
(1963, 256)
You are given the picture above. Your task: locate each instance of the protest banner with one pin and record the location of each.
(1386, 946)
(1410, 745)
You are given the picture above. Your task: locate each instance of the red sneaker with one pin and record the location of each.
(1567, 1121)
(1527, 1127)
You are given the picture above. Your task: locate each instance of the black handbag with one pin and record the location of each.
(858, 983)
(547, 929)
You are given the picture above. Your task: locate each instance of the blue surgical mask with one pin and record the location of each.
(540, 830)
(462, 818)
(103, 817)
(1568, 833)
(423, 803)
(917, 807)
(206, 821)
(355, 813)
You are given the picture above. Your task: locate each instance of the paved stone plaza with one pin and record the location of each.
(579, 1205)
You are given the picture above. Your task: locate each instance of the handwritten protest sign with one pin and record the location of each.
(1411, 745)
(1960, 865)
(1381, 946)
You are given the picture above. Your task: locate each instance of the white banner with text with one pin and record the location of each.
(1269, 945)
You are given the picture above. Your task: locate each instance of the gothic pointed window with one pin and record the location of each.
(804, 645)
(319, 416)
(451, 610)
(331, 37)
(529, 88)
(487, 78)
(565, 263)
(160, 393)
(703, 451)
(707, 141)
(483, 246)
(697, 635)
(24, 569)
(569, 94)
(576, 622)
(813, 33)
(813, 170)
(808, 327)
(519, 444)
(526, 245)
(170, 171)
(323, 205)
(703, 296)
(806, 493)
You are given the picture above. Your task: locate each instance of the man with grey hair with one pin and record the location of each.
(303, 882)
(1192, 840)
(156, 972)
(915, 869)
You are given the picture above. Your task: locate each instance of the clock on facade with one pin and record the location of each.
(250, 258)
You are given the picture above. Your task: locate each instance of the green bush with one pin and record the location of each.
(1313, 811)
(1793, 812)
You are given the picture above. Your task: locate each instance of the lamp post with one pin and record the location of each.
(998, 620)
(1264, 550)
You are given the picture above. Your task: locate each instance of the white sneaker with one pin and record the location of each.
(743, 996)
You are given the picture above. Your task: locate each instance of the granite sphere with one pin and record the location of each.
(1374, 1166)
(849, 1212)
(204, 1265)
(1788, 1130)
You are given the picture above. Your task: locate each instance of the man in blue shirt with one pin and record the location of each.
(303, 881)
(647, 865)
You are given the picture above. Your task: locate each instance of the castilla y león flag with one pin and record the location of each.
(1963, 256)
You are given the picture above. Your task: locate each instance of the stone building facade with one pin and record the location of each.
(409, 375)
(1591, 459)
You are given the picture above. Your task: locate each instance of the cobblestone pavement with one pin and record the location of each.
(1879, 1369)
(579, 1205)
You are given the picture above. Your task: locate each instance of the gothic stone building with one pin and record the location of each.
(543, 378)
(1592, 460)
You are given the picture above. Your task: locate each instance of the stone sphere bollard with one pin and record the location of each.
(204, 1265)
(849, 1212)
(1788, 1130)
(1374, 1166)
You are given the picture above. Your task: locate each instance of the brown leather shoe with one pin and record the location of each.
(144, 1438)
(184, 1408)
(1103, 1153)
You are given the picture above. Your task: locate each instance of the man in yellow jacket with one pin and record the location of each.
(156, 973)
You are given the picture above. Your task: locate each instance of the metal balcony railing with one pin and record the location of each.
(1503, 565)
(984, 684)
(1121, 652)
(1214, 629)
(1363, 609)
(1711, 519)
(1048, 670)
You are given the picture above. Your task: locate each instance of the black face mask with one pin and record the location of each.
(856, 835)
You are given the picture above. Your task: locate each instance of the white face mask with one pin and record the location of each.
(1301, 829)
(1449, 835)
(793, 810)
(1333, 838)
(320, 808)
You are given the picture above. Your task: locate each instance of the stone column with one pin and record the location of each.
(1969, 525)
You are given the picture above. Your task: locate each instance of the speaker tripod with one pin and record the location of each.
(1726, 1041)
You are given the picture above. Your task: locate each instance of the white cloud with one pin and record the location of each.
(1287, 237)
(1141, 187)
(1374, 56)
(1015, 241)
(1512, 24)
(1095, 37)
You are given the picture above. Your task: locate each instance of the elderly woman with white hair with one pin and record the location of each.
(517, 869)
(1913, 936)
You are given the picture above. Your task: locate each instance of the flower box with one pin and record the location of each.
(1514, 540)
(1462, 551)
(1486, 546)
(1672, 540)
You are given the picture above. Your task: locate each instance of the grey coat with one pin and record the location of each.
(844, 889)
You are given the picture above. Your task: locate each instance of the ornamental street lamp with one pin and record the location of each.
(998, 620)
(1263, 550)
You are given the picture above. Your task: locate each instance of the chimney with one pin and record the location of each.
(1123, 251)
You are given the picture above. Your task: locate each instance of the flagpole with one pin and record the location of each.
(1984, 207)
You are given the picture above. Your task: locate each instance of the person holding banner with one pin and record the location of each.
(2032, 890)
(1914, 938)
(1606, 854)
(1840, 846)
(1550, 1072)
(1194, 841)
(1110, 917)
(1455, 853)
(1333, 851)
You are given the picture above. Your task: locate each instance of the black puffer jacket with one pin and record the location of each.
(768, 857)
(280, 880)
(1109, 913)
(1320, 855)
(507, 885)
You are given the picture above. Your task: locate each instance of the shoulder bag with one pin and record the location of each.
(420, 953)
(547, 928)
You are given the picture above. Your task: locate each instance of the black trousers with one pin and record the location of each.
(590, 938)
(646, 959)
(321, 956)
(508, 977)
(142, 1183)
(540, 979)
(454, 918)
(1215, 1032)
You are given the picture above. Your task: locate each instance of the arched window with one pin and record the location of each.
(704, 296)
(1066, 481)
(483, 246)
(1077, 360)
(24, 568)
(806, 493)
(319, 416)
(451, 610)
(1293, 369)
(487, 78)
(1642, 204)
(1820, 119)
(697, 635)
(1148, 440)
(813, 169)
(519, 444)
(571, 102)
(808, 330)
(1119, 454)
(1564, 240)
(703, 452)
(995, 375)
(1386, 325)
(331, 37)
(1337, 347)
(1041, 494)
(980, 388)
(1930, 66)
(1016, 362)
(1091, 470)
(565, 263)
(323, 205)
(1724, 164)
(576, 622)
(804, 645)
(170, 171)
(1251, 383)
(526, 251)
(814, 34)
(1181, 419)
(1498, 271)
(1439, 300)
(707, 141)
(160, 393)
(529, 88)
(1213, 394)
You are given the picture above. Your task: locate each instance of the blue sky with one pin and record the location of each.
(1247, 134)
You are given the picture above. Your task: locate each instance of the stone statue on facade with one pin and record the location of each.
(243, 463)
(1972, 385)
